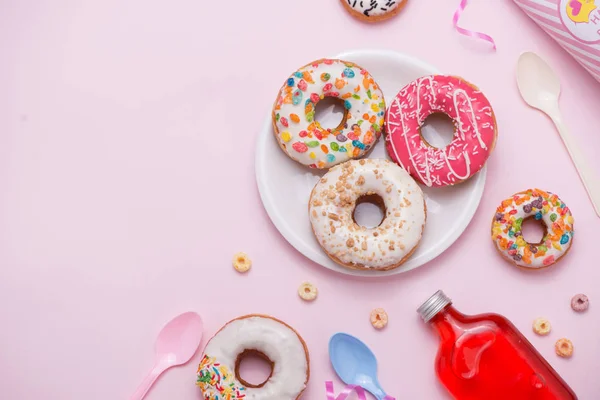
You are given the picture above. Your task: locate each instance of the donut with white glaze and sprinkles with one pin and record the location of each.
(542, 206)
(262, 336)
(474, 135)
(303, 139)
(333, 201)
(373, 10)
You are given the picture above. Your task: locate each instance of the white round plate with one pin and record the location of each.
(285, 185)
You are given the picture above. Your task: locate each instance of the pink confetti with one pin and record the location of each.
(347, 390)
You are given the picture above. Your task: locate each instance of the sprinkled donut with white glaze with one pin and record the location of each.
(303, 139)
(373, 10)
(331, 208)
(474, 136)
(263, 336)
(541, 206)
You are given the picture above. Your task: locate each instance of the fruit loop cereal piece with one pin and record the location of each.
(541, 326)
(303, 139)
(379, 318)
(475, 129)
(381, 182)
(564, 348)
(580, 302)
(307, 291)
(542, 206)
(373, 10)
(241, 262)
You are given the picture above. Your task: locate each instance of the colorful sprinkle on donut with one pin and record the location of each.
(214, 376)
(539, 205)
(294, 121)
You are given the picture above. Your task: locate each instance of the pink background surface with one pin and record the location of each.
(127, 136)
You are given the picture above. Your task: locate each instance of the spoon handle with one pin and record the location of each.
(375, 390)
(587, 175)
(148, 381)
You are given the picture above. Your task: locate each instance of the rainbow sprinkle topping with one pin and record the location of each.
(217, 382)
(542, 206)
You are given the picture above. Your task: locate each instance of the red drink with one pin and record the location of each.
(486, 357)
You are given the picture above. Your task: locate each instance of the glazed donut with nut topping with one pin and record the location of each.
(262, 336)
(331, 208)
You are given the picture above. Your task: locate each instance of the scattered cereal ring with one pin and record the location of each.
(580, 302)
(363, 113)
(543, 206)
(373, 11)
(541, 326)
(379, 318)
(564, 348)
(307, 291)
(241, 262)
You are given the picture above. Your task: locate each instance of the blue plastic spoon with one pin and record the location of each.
(355, 363)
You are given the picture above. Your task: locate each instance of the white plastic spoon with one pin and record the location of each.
(540, 88)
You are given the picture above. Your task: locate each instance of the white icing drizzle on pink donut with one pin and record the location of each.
(474, 137)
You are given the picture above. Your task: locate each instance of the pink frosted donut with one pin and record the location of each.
(474, 134)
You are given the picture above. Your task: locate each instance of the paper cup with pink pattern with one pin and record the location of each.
(574, 24)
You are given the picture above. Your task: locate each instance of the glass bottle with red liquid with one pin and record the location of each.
(485, 357)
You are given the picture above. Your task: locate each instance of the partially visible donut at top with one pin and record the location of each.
(259, 335)
(542, 206)
(333, 202)
(303, 138)
(474, 136)
(373, 10)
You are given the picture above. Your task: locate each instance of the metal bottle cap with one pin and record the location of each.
(433, 305)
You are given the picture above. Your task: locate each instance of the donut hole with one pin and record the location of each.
(330, 113)
(253, 368)
(533, 230)
(369, 210)
(438, 130)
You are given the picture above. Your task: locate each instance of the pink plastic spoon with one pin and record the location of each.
(176, 344)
